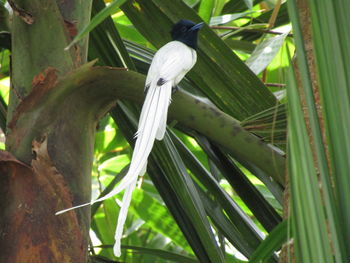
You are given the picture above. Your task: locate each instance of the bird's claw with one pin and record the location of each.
(174, 89)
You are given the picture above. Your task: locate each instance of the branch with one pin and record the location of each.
(89, 92)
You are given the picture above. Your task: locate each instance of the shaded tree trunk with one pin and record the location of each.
(47, 166)
(287, 254)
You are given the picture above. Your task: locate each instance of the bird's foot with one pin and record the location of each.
(174, 89)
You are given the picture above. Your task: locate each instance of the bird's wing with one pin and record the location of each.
(172, 60)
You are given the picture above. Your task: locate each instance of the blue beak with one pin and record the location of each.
(197, 26)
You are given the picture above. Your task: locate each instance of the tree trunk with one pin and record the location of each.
(47, 166)
(287, 254)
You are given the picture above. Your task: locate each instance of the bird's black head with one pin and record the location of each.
(186, 32)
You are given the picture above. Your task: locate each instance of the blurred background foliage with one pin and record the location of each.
(198, 202)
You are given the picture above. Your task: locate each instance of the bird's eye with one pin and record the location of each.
(183, 29)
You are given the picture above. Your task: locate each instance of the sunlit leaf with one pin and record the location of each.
(104, 223)
(105, 140)
(159, 253)
(264, 53)
(115, 164)
(238, 5)
(192, 3)
(249, 3)
(206, 9)
(96, 20)
(157, 217)
(217, 20)
(271, 243)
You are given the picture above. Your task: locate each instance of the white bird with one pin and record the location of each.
(169, 65)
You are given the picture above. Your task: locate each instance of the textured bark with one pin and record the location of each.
(287, 254)
(30, 231)
(305, 21)
(35, 185)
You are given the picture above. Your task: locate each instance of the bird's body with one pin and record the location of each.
(169, 65)
(171, 62)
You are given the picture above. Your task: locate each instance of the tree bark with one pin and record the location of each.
(287, 254)
(49, 165)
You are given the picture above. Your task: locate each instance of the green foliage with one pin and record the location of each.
(199, 202)
(96, 20)
(264, 53)
(271, 243)
(320, 215)
(236, 86)
(191, 201)
(157, 218)
(148, 203)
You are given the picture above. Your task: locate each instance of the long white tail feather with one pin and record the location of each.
(153, 115)
(72, 208)
(171, 63)
(148, 129)
(161, 130)
(144, 169)
(162, 126)
(122, 217)
(145, 110)
(122, 185)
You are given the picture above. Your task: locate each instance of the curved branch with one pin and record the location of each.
(89, 92)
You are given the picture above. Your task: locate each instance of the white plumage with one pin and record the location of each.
(169, 65)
